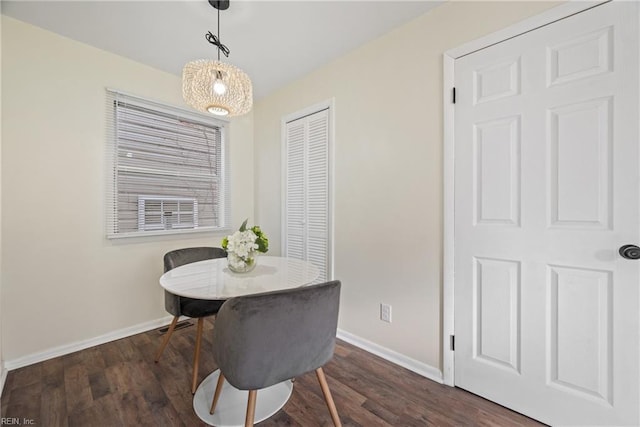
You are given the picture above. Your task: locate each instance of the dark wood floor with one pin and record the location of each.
(118, 384)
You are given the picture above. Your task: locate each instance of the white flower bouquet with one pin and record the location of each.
(242, 247)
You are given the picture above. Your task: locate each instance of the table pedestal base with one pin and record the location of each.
(232, 404)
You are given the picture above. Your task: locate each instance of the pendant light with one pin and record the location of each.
(214, 86)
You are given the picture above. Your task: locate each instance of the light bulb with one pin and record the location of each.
(219, 87)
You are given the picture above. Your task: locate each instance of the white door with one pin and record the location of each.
(546, 191)
(307, 189)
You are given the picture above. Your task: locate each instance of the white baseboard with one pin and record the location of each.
(3, 377)
(420, 368)
(81, 345)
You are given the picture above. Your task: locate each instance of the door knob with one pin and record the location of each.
(629, 252)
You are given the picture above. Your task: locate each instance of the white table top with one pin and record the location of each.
(212, 279)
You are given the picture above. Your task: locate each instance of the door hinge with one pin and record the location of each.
(454, 95)
(452, 342)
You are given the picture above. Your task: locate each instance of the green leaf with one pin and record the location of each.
(243, 227)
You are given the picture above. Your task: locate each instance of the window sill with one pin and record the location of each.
(143, 234)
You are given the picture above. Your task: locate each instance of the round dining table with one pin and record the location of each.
(213, 280)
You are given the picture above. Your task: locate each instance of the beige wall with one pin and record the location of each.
(388, 170)
(62, 280)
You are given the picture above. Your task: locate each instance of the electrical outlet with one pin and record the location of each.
(385, 313)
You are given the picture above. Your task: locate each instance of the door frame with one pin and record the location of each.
(557, 13)
(328, 104)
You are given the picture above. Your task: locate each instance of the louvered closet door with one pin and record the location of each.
(307, 191)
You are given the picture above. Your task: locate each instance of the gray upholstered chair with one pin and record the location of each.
(263, 339)
(194, 308)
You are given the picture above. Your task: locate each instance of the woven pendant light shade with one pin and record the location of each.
(217, 88)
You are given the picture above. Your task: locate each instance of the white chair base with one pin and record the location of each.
(231, 408)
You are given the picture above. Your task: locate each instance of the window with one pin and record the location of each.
(167, 171)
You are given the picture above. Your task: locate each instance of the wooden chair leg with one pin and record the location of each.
(251, 408)
(165, 340)
(196, 355)
(327, 397)
(216, 394)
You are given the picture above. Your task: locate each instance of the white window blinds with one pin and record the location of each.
(307, 199)
(167, 169)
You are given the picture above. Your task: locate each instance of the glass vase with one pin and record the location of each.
(243, 265)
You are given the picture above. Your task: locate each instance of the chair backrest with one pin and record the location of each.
(263, 339)
(179, 257)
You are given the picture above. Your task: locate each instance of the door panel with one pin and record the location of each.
(497, 306)
(580, 331)
(580, 185)
(318, 193)
(546, 191)
(295, 209)
(496, 150)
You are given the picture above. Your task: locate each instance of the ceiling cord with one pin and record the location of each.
(211, 38)
(215, 40)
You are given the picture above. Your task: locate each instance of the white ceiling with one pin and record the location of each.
(275, 42)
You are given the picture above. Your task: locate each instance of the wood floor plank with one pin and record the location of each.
(53, 409)
(26, 376)
(25, 402)
(77, 387)
(281, 419)
(117, 377)
(101, 410)
(381, 412)
(366, 382)
(53, 372)
(310, 389)
(304, 402)
(119, 384)
(99, 385)
(340, 391)
(110, 355)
